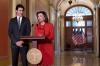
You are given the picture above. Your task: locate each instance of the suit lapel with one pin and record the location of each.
(16, 23)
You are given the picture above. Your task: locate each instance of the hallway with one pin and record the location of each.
(61, 14)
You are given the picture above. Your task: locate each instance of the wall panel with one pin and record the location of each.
(4, 28)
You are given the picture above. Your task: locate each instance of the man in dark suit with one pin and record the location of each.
(19, 26)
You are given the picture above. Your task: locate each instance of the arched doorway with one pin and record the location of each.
(78, 24)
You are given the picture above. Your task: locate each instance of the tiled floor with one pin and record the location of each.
(68, 58)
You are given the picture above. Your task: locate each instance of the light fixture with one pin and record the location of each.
(77, 17)
(70, 2)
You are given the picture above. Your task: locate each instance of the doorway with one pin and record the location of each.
(78, 28)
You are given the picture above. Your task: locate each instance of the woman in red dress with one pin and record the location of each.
(45, 28)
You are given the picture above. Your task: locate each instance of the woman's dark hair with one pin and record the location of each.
(45, 15)
(19, 6)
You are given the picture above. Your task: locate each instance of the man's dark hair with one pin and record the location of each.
(45, 15)
(20, 6)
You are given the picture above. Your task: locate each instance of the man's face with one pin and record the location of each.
(19, 12)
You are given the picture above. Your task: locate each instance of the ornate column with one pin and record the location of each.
(32, 9)
(97, 27)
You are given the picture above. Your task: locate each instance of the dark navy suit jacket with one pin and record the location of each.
(15, 32)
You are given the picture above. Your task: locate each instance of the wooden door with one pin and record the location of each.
(87, 28)
(4, 9)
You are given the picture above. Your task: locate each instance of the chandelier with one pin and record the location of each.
(77, 18)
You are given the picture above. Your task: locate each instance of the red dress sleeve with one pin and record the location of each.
(49, 31)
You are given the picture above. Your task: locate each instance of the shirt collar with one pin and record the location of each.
(20, 18)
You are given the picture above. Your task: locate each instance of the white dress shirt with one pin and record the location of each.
(20, 19)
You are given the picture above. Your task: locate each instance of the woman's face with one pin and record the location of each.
(40, 17)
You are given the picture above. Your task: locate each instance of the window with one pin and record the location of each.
(68, 23)
(78, 10)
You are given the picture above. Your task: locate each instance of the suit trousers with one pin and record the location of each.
(15, 55)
